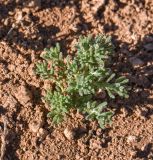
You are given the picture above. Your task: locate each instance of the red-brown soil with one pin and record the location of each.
(25, 30)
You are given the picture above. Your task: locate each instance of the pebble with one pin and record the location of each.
(13, 25)
(35, 3)
(99, 132)
(6, 22)
(131, 139)
(19, 16)
(10, 13)
(69, 133)
(42, 133)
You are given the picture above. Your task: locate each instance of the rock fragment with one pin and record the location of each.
(35, 126)
(69, 133)
(131, 139)
(19, 16)
(42, 133)
(6, 22)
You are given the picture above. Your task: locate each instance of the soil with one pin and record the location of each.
(26, 28)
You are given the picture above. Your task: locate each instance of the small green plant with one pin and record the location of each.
(77, 80)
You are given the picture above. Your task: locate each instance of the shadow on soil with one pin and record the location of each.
(39, 40)
(137, 65)
(145, 152)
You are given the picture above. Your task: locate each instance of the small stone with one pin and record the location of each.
(42, 133)
(99, 132)
(136, 62)
(69, 133)
(131, 139)
(35, 3)
(10, 13)
(144, 148)
(19, 16)
(6, 22)
(13, 25)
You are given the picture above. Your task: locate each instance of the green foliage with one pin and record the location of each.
(78, 80)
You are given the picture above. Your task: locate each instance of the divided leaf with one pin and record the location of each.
(77, 80)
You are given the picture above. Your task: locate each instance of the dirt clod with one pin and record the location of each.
(35, 126)
(22, 94)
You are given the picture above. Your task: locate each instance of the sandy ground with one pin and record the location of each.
(26, 28)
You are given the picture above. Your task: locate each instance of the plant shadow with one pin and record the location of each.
(143, 154)
(137, 66)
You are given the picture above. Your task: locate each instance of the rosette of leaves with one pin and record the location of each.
(77, 80)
